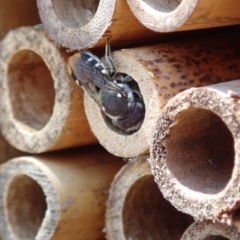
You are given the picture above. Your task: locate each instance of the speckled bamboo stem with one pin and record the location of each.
(137, 210)
(41, 106)
(161, 72)
(207, 230)
(83, 24)
(17, 13)
(195, 151)
(177, 15)
(56, 196)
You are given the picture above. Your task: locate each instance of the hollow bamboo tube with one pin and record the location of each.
(162, 71)
(178, 15)
(83, 24)
(195, 151)
(137, 210)
(206, 230)
(17, 13)
(41, 107)
(57, 195)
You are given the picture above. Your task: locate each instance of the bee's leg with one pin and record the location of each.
(108, 61)
(124, 78)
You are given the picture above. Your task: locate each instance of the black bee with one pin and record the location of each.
(112, 91)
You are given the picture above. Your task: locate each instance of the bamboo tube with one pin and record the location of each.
(17, 13)
(56, 196)
(162, 71)
(137, 210)
(41, 107)
(207, 230)
(83, 24)
(178, 15)
(195, 151)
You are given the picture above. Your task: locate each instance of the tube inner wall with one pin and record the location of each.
(200, 151)
(26, 207)
(31, 89)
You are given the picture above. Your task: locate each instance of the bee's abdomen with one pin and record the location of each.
(93, 61)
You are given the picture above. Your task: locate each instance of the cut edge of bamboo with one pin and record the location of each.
(41, 107)
(137, 143)
(41, 193)
(201, 230)
(168, 16)
(78, 26)
(71, 31)
(133, 192)
(195, 151)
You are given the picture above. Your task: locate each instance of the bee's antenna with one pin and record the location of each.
(107, 48)
(107, 59)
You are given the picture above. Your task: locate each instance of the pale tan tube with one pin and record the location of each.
(57, 196)
(178, 15)
(195, 151)
(41, 106)
(161, 72)
(83, 24)
(207, 230)
(137, 210)
(15, 14)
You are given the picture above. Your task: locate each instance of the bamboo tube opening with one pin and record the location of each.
(75, 14)
(163, 5)
(41, 108)
(142, 211)
(202, 156)
(31, 89)
(25, 206)
(147, 215)
(124, 145)
(58, 195)
(195, 151)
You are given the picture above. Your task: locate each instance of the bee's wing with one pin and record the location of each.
(92, 92)
(86, 72)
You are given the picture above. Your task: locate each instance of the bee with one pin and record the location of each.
(116, 94)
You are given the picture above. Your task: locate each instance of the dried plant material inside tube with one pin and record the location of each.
(195, 151)
(78, 24)
(178, 15)
(162, 71)
(142, 212)
(207, 230)
(41, 194)
(40, 109)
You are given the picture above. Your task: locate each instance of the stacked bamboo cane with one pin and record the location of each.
(191, 124)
